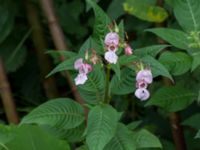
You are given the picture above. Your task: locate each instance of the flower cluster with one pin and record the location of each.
(83, 69)
(143, 78)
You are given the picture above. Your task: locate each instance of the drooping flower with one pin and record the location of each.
(111, 57)
(142, 94)
(145, 75)
(112, 38)
(80, 79)
(128, 50)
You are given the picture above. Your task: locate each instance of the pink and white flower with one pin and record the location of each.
(145, 75)
(111, 57)
(80, 79)
(142, 94)
(112, 38)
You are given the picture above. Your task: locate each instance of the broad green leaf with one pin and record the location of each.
(102, 124)
(172, 98)
(124, 85)
(196, 60)
(187, 13)
(7, 19)
(122, 139)
(101, 22)
(175, 37)
(193, 121)
(83, 147)
(28, 137)
(156, 67)
(143, 10)
(177, 63)
(127, 60)
(116, 69)
(56, 55)
(60, 112)
(153, 50)
(145, 139)
(115, 9)
(133, 125)
(93, 90)
(65, 65)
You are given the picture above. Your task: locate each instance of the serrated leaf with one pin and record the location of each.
(28, 137)
(149, 12)
(145, 139)
(193, 121)
(156, 67)
(60, 113)
(172, 99)
(122, 139)
(102, 124)
(93, 90)
(177, 63)
(153, 50)
(187, 13)
(124, 85)
(175, 37)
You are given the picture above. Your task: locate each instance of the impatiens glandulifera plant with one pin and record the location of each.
(106, 68)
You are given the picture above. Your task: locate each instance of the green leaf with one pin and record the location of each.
(29, 137)
(198, 134)
(124, 85)
(153, 50)
(93, 90)
(122, 139)
(187, 13)
(133, 125)
(116, 69)
(101, 22)
(65, 65)
(127, 60)
(172, 99)
(175, 37)
(117, 6)
(83, 147)
(177, 63)
(143, 10)
(145, 139)
(156, 67)
(196, 60)
(193, 121)
(102, 124)
(60, 112)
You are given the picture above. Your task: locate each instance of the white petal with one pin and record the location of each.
(78, 63)
(111, 57)
(142, 94)
(80, 79)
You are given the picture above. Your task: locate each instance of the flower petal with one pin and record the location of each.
(142, 94)
(78, 63)
(111, 57)
(80, 79)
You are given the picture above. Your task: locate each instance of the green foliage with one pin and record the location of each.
(196, 60)
(125, 84)
(172, 98)
(190, 10)
(149, 12)
(60, 113)
(193, 121)
(122, 139)
(93, 90)
(177, 63)
(102, 125)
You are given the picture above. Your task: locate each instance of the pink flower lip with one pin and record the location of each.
(111, 57)
(142, 94)
(141, 84)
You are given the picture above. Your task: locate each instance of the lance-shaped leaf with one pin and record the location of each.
(187, 13)
(177, 63)
(102, 124)
(143, 10)
(172, 99)
(122, 140)
(198, 134)
(60, 113)
(175, 37)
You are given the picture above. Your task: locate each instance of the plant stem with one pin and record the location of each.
(107, 86)
(6, 96)
(40, 44)
(177, 130)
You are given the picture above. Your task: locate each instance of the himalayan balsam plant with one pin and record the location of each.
(109, 72)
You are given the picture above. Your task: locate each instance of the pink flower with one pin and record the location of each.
(80, 79)
(144, 75)
(85, 68)
(111, 57)
(142, 94)
(112, 47)
(78, 63)
(128, 50)
(112, 38)
(141, 84)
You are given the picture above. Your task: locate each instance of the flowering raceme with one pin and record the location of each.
(83, 69)
(143, 78)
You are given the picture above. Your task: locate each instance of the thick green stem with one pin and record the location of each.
(107, 89)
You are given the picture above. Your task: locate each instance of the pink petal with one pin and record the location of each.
(80, 79)
(141, 84)
(78, 63)
(128, 50)
(142, 94)
(145, 75)
(85, 68)
(111, 57)
(112, 38)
